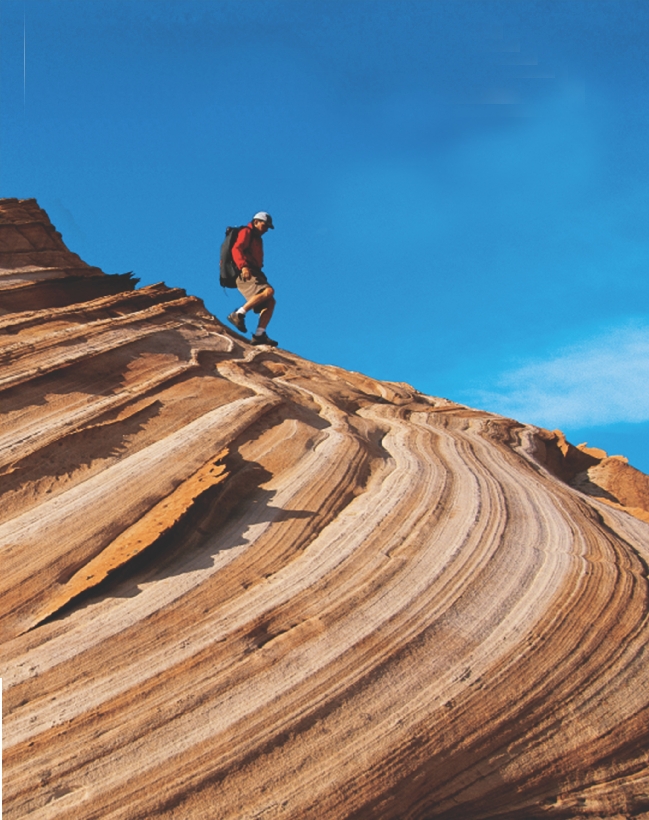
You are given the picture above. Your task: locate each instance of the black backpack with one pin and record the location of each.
(228, 270)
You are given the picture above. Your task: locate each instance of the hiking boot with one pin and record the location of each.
(264, 339)
(239, 321)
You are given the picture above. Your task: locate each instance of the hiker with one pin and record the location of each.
(248, 256)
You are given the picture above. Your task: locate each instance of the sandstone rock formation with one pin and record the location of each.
(237, 584)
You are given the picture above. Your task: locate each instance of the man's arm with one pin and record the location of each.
(240, 254)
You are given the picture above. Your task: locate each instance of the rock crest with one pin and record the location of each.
(239, 584)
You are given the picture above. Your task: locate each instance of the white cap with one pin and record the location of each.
(264, 217)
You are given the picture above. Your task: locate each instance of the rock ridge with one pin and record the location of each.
(238, 584)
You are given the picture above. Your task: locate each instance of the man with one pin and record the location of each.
(248, 256)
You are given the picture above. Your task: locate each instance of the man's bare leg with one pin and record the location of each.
(266, 314)
(258, 299)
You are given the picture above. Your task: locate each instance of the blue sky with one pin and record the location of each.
(460, 189)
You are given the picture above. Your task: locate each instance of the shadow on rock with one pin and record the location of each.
(188, 545)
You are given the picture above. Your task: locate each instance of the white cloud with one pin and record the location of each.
(603, 380)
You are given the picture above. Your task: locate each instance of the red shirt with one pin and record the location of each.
(248, 250)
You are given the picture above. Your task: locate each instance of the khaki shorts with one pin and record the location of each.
(252, 286)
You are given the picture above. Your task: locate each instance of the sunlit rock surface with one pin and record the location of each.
(237, 584)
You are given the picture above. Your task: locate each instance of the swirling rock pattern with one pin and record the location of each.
(238, 584)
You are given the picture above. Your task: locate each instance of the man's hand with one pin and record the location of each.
(245, 274)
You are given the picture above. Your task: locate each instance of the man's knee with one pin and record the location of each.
(269, 299)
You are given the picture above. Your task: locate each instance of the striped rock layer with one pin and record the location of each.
(238, 584)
